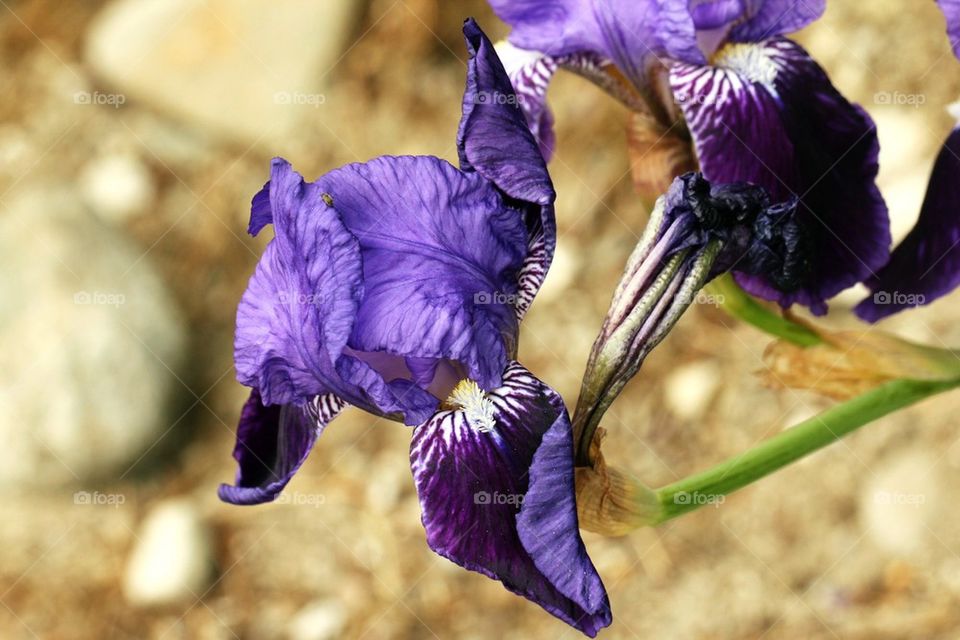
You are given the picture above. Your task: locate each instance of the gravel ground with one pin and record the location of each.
(808, 553)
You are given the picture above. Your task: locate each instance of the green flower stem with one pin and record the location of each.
(791, 445)
(742, 305)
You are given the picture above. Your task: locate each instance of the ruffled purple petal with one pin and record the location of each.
(767, 114)
(926, 265)
(272, 442)
(634, 34)
(299, 307)
(441, 254)
(477, 467)
(769, 18)
(951, 11)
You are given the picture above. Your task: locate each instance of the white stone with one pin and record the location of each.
(117, 186)
(322, 620)
(171, 561)
(90, 340)
(689, 389)
(901, 502)
(246, 68)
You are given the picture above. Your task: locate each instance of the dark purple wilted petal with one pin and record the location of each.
(476, 466)
(634, 34)
(926, 265)
(299, 307)
(272, 443)
(767, 114)
(768, 18)
(441, 255)
(951, 11)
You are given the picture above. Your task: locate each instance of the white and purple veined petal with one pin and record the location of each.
(495, 478)
(272, 443)
(636, 35)
(767, 114)
(926, 264)
(530, 73)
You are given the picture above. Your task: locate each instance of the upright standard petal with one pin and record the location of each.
(767, 114)
(951, 11)
(272, 443)
(765, 19)
(635, 34)
(298, 311)
(494, 140)
(441, 254)
(496, 486)
(926, 265)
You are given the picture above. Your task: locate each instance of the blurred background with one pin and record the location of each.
(133, 134)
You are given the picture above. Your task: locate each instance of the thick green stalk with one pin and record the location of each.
(789, 446)
(742, 305)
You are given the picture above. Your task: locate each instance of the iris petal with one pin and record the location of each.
(714, 14)
(769, 18)
(768, 115)
(634, 34)
(272, 442)
(472, 481)
(299, 307)
(926, 265)
(494, 139)
(530, 73)
(441, 254)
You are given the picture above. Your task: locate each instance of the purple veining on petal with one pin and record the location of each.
(635, 34)
(475, 466)
(441, 255)
(767, 114)
(299, 308)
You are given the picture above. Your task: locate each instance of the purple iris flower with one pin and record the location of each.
(757, 108)
(397, 286)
